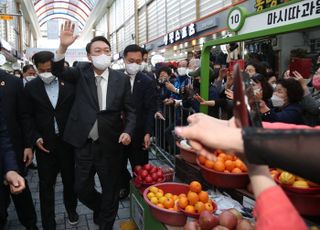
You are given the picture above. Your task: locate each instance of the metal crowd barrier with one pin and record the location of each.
(164, 142)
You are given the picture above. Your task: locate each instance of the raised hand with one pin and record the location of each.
(67, 36)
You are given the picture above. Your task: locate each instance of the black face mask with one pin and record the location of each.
(196, 84)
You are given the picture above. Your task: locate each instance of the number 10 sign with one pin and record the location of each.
(236, 18)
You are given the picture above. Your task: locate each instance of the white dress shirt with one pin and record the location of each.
(104, 86)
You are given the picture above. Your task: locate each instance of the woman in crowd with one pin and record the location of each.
(285, 101)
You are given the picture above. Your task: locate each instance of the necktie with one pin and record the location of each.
(94, 135)
(99, 90)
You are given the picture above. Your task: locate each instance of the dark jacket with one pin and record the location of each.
(289, 114)
(14, 110)
(144, 99)
(85, 110)
(296, 151)
(42, 112)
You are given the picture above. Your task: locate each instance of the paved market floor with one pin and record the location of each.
(85, 214)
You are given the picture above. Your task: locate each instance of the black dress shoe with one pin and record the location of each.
(124, 193)
(73, 217)
(96, 219)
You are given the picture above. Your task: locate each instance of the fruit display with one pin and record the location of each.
(148, 174)
(227, 171)
(192, 202)
(294, 183)
(162, 201)
(225, 162)
(228, 220)
(195, 201)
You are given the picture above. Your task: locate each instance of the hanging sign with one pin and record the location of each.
(180, 34)
(291, 14)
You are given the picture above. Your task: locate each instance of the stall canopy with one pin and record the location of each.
(285, 18)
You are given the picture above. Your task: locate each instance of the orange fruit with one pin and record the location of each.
(219, 166)
(229, 157)
(223, 155)
(226, 171)
(195, 186)
(236, 170)
(209, 164)
(183, 202)
(243, 167)
(202, 159)
(160, 205)
(190, 209)
(203, 196)
(182, 195)
(168, 203)
(238, 163)
(220, 159)
(208, 206)
(199, 207)
(175, 197)
(193, 198)
(229, 165)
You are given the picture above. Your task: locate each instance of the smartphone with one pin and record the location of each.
(302, 66)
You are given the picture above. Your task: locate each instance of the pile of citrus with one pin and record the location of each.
(194, 201)
(225, 162)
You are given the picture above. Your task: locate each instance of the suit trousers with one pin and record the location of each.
(137, 156)
(60, 159)
(92, 159)
(24, 205)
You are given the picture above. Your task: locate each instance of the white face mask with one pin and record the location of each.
(101, 62)
(30, 78)
(274, 85)
(144, 66)
(17, 75)
(47, 77)
(277, 101)
(133, 68)
(182, 71)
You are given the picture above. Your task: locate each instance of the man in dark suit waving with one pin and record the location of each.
(96, 126)
(144, 96)
(50, 101)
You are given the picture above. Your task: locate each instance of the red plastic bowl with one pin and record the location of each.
(143, 186)
(306, 204)
(164, 215)
(311, 190)
(187, 154)
(224, 180)
(197, 215)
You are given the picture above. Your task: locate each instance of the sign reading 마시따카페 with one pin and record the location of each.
(288, 15)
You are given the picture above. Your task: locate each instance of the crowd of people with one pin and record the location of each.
(89, 120)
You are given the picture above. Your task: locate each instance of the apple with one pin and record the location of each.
(147, 167)
(228, 219)
(154, 176)
(137, 169)
(143, 173)
(236, 213)
(160, 173)
(244, 224)
(219, 227)
(159, 180)
(153, 170)
(148, 179)
(207, 220)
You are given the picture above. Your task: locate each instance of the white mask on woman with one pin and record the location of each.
(182, 71)
(277, 101)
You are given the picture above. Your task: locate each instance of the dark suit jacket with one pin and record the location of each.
(42, 112)
(85, 110)
(7, 160)
(144, 98)
(14, 110)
